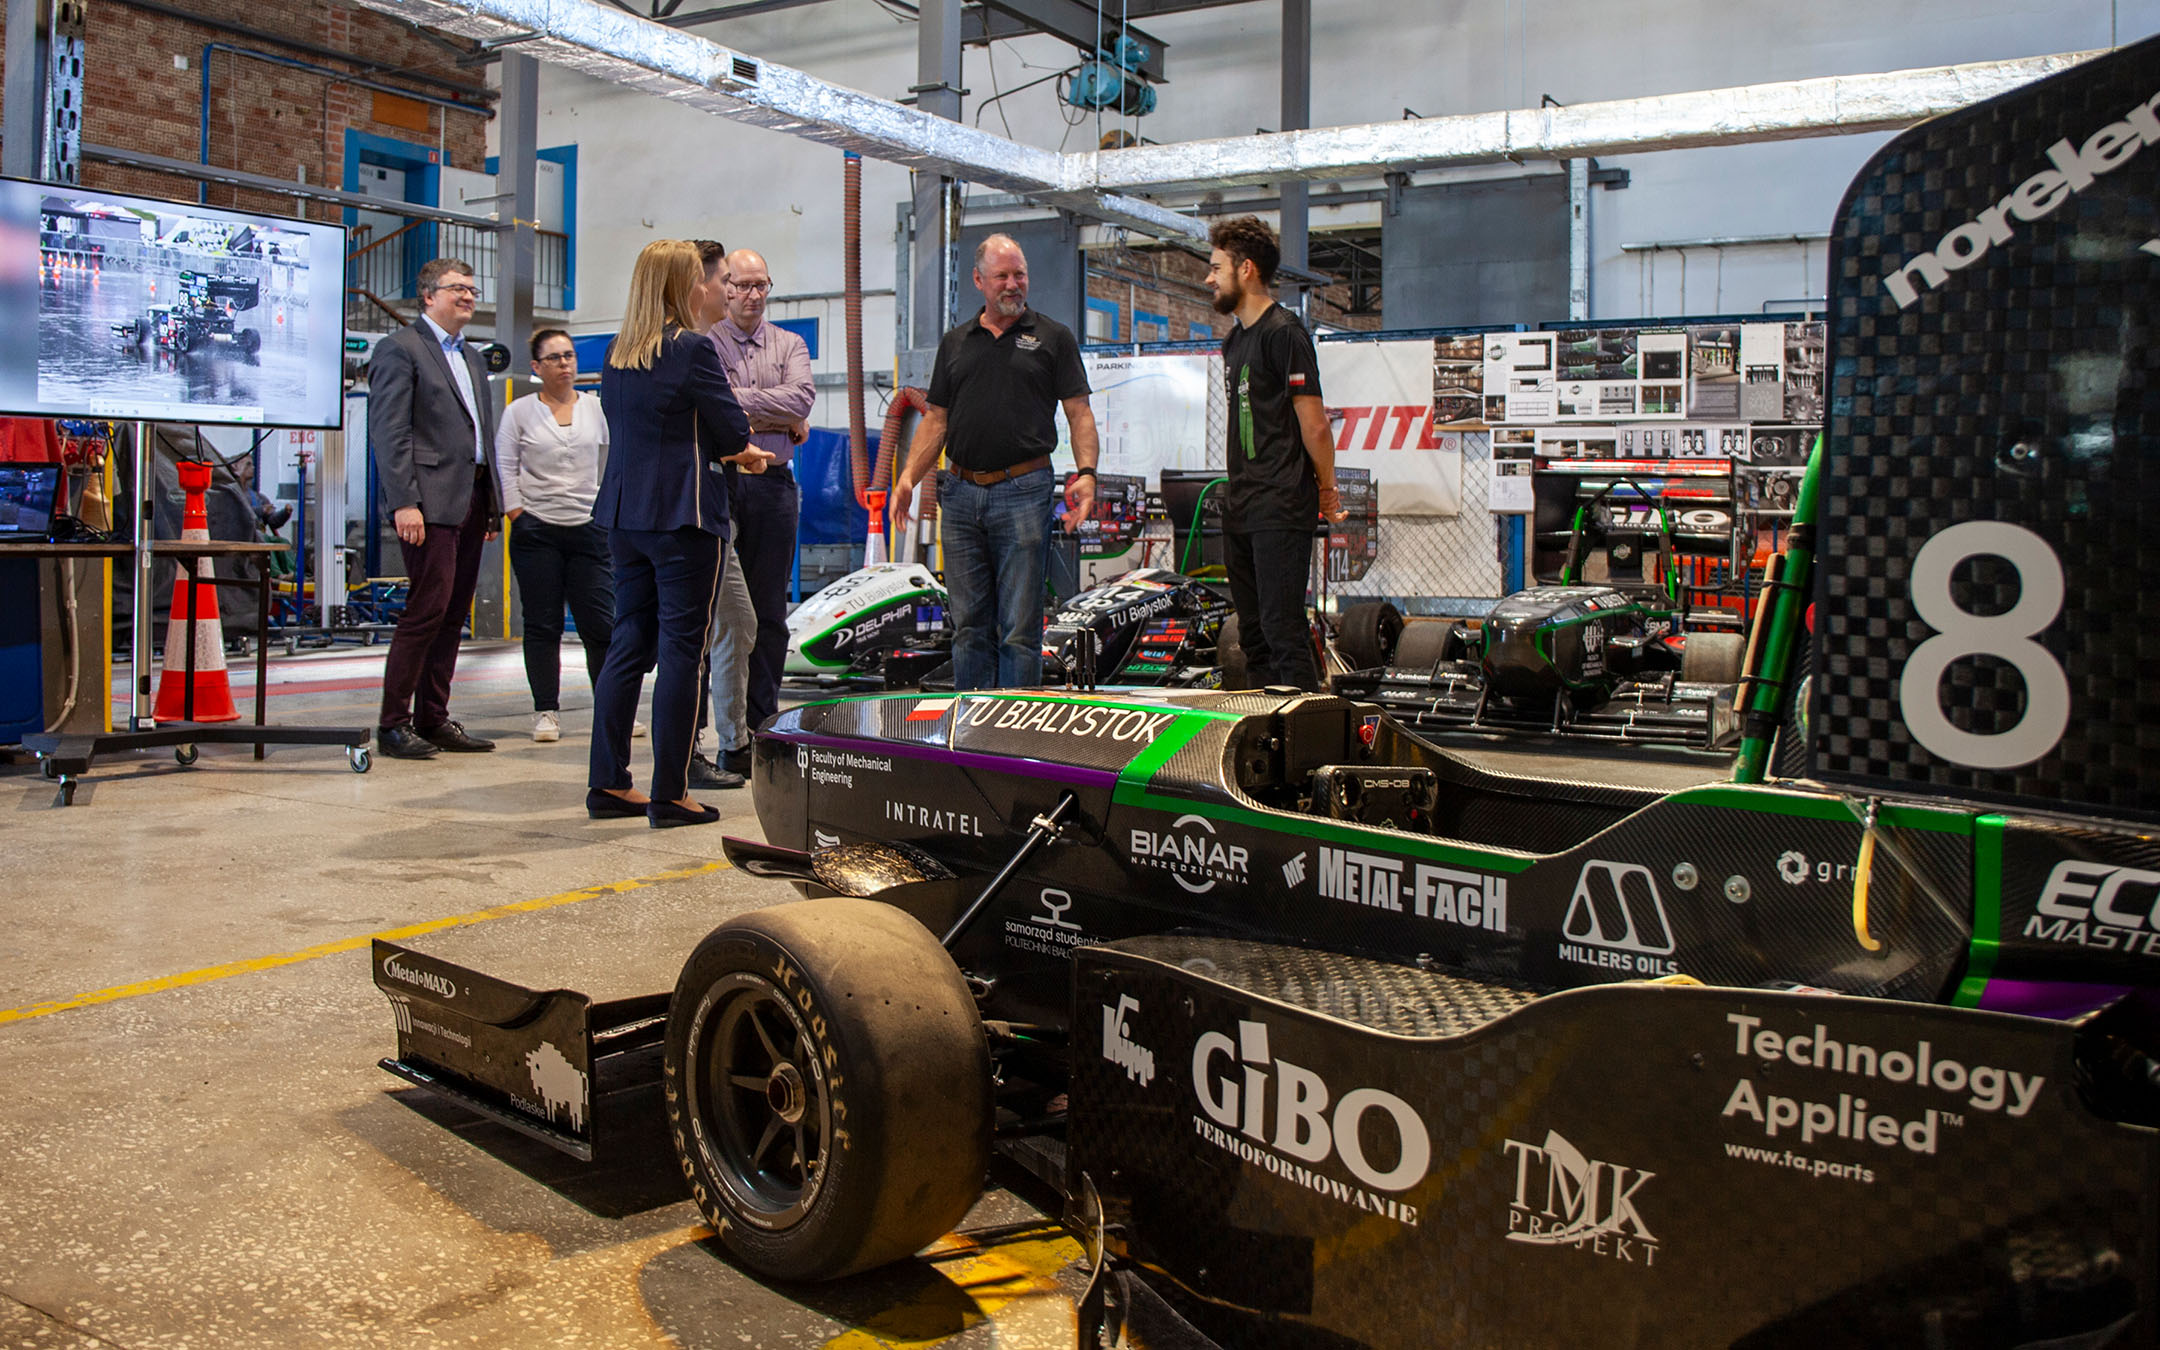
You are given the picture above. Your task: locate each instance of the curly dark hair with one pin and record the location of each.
(1246, 239)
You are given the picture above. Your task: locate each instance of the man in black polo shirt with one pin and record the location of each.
(1281, 456)
(994, 392)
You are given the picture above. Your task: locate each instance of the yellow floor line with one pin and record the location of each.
(1011, 1284)
(253, 964)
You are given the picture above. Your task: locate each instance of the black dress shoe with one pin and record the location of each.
(667, 815)
(403, 743)
(737, 761)
(453, 736)
(706, 774)
(601, 804)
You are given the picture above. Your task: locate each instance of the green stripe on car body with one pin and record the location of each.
(1987, 911)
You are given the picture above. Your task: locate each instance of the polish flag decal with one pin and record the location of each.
(930, 710)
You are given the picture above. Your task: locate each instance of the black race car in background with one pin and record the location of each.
(1615, 659)
(1332, 1036)
(1147, 627)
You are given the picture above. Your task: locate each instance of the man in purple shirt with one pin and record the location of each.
(769, 369)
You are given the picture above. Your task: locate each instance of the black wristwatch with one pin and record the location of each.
(1089, 471)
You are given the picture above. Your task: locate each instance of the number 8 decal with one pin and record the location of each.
(1960, 633)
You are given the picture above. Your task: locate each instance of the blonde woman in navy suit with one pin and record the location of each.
(672, 423)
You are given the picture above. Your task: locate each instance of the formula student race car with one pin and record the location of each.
(884, 614)
(1334, 1037)
(202, 318)
(1147, 627)
(1617, 659)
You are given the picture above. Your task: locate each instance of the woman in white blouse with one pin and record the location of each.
(550, 448)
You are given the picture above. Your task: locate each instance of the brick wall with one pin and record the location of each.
(1173, 282)
(264, 119)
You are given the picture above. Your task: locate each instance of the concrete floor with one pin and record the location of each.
(196, 1145)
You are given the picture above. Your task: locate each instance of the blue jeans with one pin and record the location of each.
(997, 542)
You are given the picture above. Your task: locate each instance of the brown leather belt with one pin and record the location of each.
(1000, 475)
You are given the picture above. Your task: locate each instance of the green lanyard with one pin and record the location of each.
(1244, 409)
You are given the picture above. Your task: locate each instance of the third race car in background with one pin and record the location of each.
(1616, 659)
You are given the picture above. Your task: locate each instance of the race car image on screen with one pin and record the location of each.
(1330, 1035)
(205, 317)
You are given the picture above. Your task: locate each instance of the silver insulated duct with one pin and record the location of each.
(598, 40)
(608, 44)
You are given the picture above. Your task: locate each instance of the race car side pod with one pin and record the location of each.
(1778, 630)
(1041, 830)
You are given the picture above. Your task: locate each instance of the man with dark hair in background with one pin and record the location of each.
(431, 426)
(1280, 456)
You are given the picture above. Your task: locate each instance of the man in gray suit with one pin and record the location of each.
(431, 426)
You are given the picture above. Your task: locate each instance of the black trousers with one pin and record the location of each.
(664, 584)
(558, 565)
(764, 508)
(1268, 571)
(440, 572)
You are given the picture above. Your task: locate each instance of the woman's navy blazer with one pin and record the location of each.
(668, 427)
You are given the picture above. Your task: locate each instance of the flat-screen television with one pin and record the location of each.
(163, 311)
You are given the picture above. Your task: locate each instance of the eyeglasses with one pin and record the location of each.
(473, 291)
(754, 287)
(560, 356)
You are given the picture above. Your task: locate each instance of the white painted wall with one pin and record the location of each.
(649, 169)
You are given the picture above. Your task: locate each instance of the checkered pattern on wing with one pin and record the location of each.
(2025, 389)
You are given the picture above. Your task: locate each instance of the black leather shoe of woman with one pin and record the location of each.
(667, 815)
(601, 804)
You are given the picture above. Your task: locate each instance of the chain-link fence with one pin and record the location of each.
(1424, 559)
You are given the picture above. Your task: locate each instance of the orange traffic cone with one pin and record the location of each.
(213, 692)
(874, 548)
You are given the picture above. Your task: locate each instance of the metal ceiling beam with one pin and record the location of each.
(1833, 106)
(1083, 26)
(313, 192)
(605, 43)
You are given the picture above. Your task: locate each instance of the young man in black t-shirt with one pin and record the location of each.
(1281, 456)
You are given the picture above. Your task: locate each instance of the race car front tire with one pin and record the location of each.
(1426, 644)
(1712, 658)
(1367, 635)
(828, 1087)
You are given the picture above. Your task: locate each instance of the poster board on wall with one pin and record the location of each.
(1151, 413)
(1379, 397)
